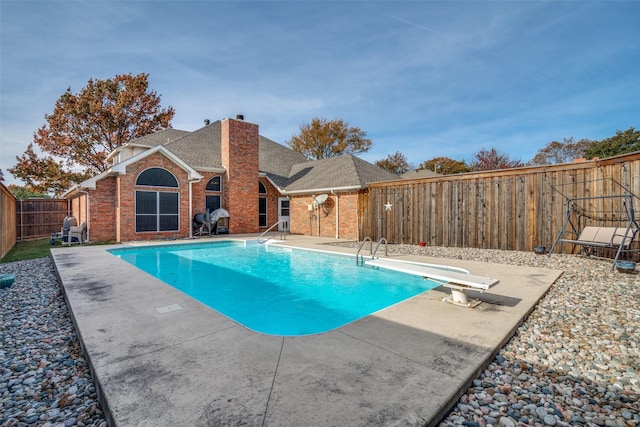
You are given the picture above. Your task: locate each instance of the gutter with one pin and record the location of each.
(191, 206)
(322, 190)
(337, 213)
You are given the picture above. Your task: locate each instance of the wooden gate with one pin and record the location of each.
(38, 218)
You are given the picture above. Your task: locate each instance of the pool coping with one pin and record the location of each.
(161, 358)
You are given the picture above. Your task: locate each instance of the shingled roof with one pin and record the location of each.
(277, 161)
(200, 149)
(422, 173)
(288, 170)
(161, 137)
(345, 171)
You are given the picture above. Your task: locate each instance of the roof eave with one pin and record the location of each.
(322, 190)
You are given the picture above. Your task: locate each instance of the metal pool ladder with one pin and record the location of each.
(372, 252)
(382, 239)
(365, 240)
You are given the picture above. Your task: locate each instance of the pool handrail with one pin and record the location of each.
(382, 239)
(282, 235)
(365, 240)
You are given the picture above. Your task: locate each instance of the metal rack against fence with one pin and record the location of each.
(38, 218)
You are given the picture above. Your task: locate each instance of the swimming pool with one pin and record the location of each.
(273, 289)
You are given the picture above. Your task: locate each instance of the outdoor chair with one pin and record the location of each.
(77, 234)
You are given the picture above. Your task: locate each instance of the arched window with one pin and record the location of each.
(262, 205)
(157, 177)
(157, 210)
(213, 201)
(214, 184)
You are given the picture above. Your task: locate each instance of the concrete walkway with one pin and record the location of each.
(161, 358)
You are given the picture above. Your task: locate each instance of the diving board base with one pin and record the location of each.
(459, 298)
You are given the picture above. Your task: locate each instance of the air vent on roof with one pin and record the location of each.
(239, 117)
(206, 122)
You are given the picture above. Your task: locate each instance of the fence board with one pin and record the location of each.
(38, 218)
(513, 209)
(7, 220)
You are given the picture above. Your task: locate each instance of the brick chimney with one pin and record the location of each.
(239, 151)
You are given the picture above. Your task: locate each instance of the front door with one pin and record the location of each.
(283, 213)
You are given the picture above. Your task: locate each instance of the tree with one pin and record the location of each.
(85, 127)
(20, 192)
(395, 163)
(444, 165)
(324, 138)
(623, 142)
(561, 152)
(485, 160)
(45, 175)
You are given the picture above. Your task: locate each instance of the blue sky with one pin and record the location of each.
(425, 78)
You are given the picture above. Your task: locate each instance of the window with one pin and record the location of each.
(157, 211)
(262, 211)
(213, 203)
(214, 184)
(262, 205)
(157, 177)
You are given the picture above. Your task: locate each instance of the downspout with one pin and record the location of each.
(86, 212)
(317, 217)
(191, 206)
(190, 209)
(337, 213)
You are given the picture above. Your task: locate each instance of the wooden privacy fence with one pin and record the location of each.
(37, 218)
(514, 209)
(7, 220)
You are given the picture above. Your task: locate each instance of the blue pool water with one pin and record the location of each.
(276, 290)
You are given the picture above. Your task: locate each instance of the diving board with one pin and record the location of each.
(457, 281)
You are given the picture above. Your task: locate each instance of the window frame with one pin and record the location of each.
(158, 213)
(218, 184)
(163, 185)
(263, 217)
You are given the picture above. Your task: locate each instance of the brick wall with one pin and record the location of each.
(239, 153)
(102, 212)
(322, 221)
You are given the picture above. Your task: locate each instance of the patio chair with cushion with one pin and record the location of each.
(77, 234)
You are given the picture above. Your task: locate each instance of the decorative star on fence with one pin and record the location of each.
(387, 206)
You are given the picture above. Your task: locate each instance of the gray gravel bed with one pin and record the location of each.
(44, 378)
(574, 361)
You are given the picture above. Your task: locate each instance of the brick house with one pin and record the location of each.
(157, 183)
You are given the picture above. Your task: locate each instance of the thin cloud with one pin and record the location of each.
(424, 78)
